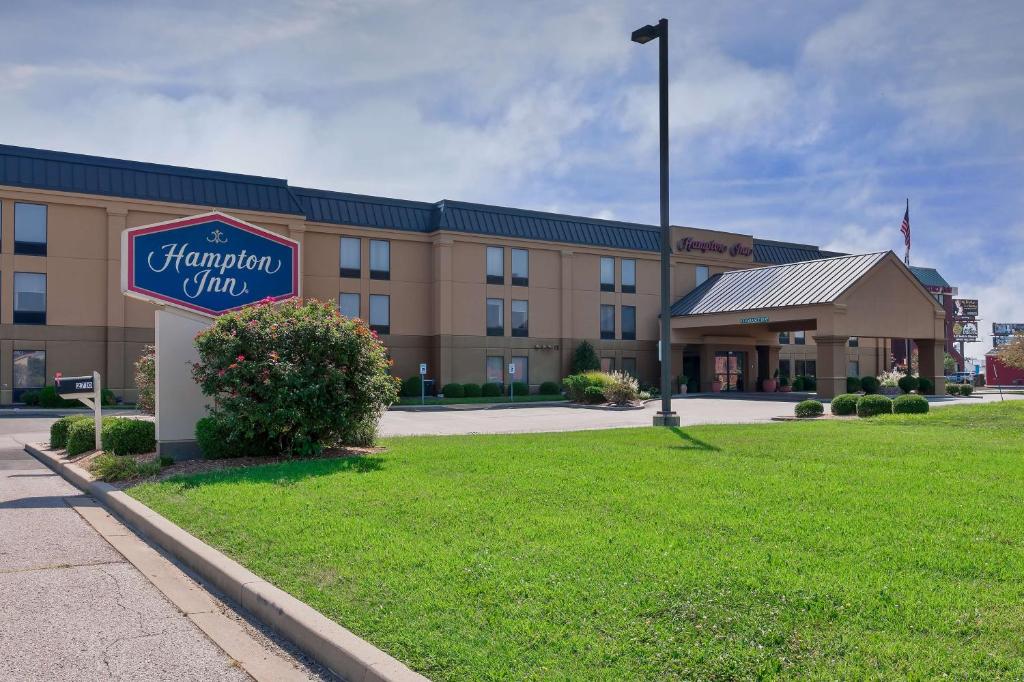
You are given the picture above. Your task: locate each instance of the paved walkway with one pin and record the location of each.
(72, 607)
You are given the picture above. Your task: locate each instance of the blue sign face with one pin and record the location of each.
(209, 264)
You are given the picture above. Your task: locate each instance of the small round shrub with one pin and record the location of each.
(852, 384)
(870, 385)
(520, 388)
(453, 391)
(30, 398)
(471, 390)
(48, 397)
(873, 404)
(593, 394)
(123, 436)
(966, 389)
(910, 404)
(214, 440)
(81, 436)
(59, 430)
(549, 388)
(798, 384)
(925, 386)
(107, 397)
(576, 384)
(412, 387)
(809, 408)
(953, 389)
(907, 383)
(491, 390)
(845, 404)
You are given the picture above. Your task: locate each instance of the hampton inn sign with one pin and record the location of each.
(705, 245)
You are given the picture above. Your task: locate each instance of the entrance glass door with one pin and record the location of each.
(729, 369)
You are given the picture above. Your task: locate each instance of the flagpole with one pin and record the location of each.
(906, 260)
(906, 255)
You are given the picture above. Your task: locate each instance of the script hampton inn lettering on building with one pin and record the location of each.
(705, 245)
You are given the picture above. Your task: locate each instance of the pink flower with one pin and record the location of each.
(240, 358)
(221, 372)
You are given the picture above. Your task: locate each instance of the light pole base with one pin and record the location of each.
(666, 419)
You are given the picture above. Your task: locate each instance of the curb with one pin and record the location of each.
(335, 647)
(470, 407)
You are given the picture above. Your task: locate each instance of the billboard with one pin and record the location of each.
(965, 308)
(1002, 332)
(965, 330)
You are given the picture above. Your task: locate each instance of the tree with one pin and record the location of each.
(145, 380)
(948, 363)
(585, 359)
(1012, 354)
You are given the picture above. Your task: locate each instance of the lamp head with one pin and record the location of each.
(646, 34)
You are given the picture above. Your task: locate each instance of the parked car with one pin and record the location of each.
(960, 378)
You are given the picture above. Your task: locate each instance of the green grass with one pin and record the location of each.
(883, 548)
(531, 398)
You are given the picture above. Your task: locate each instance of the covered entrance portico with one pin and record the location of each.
(733, 319)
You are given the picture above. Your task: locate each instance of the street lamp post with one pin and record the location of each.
(666, 417)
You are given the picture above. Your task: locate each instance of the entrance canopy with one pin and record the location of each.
(871, 294)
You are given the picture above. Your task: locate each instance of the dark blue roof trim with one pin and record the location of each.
(341, 208)
(778, 253)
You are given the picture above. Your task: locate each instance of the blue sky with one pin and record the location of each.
(800, 121)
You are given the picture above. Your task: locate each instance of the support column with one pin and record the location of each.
(676, 355)
(930, 361)
(707, 367)
(116, 373)
(832, 365)
(566, 330)
(767, 361)
(443, 268)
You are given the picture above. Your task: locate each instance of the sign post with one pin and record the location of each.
(512, 381)
(86, 389)
(423, 383)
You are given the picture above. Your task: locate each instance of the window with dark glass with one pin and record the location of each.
(351, 261)
(520, 318)
(380, 313)
(800, 338)
(30, 229)
(520, 267)
(380, 259)
(348, 305)
(607, 321)
(783, 338)
(522, 364)
(854, 342)
(495, 317)
(495, 369)
(29, 371)
(29, 298)
(629, 322)
(629, 275)
(495, 265)
(629, 366)
(853, 368)
(607, 364)
(784, 368)
(607, 274)
(703, 272)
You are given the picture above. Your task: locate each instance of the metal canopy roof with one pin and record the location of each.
(929, 277)
(805, 283)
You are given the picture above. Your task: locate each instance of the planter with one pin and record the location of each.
(682, 390)
(768, 385)
(890, 390)
(785, 389)
(716, 386)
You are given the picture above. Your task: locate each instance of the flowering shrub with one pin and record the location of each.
(623, 388)
(145, 380)
(294, 378)
(576, 385)
(890, 379)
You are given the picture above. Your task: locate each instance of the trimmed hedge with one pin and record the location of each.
(873, 404)
(907, 383)
(870, 385)
(122, 436)
(953, 389)
(910, 404)
(214, 442)
(491, 390)
(471, 390)
(30, 397)
(852, 384)
(549, 388)
(59, 430)
(412, 387)
(453, 391)
(925, 386)
(966, 389)
(845, 404)
(809, 408)
(81, 436)
(520, 388)
(593, 394)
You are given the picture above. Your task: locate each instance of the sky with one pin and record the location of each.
(808, 122)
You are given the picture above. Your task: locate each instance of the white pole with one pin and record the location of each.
(97, 394)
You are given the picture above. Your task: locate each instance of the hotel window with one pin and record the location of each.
(495, 317)
(806, 368)
(629, 275)
(520, 267)
(29, 298)
(783, 338)
(628, 322)
(702, 274)
(784, 368)
(607, 321)
(629, 366)
(348, 305)
(30, 229)
(607, 274)
(853, 370)
(800, 338)
(495, 369)
(380, 313)
(380, 259)
(351, 262)
(520, 318)
(522, 364)
(495, 265)
(607, 364)
(29, 371)
(854, 342)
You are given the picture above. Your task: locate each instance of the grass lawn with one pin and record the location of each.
(531, 398)
(882, 548)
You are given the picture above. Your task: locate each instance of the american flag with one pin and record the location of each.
(905, 229)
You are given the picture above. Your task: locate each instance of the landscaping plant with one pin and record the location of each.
(873, 404)
(845, 404)
(852, 384)
(59, 430)
(412, 387)
(593, 395)
(453, 391)
(584, 359)
(294, 378)
(910, 404)
(576, 385)
(519, 388)
(109, 467)
(124, 436)
(81, 436)
(908, 383)
(549, 388)
(925, 386)
(491, 390)
(870, 384)
(966, 389)
(622, 388)
(809, 408)
(145, 380)
(471, 390)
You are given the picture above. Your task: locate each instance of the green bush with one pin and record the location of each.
(953, 389)
(809, 408)
(491, 390)
(81, 436)
(521, 388)
(59, 430)
(453, 391)
(124, 436)
(584, 359)
(30, 397)
(471, 390)
(872, 404)
(798, 384)
(48, 398)
(549, 388)
(852, 384)
(622, 389)
(783, 381)
(215, 440)
(925, 386)
(110, 467)
(294, 378)
(593, 394)
(845, 404)
(145, 380)
(412, 387)
(907, 383)
(870, 385)
(910, 404)
(576, 385)
(107, 397)
(966, 389)
(810, 383)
